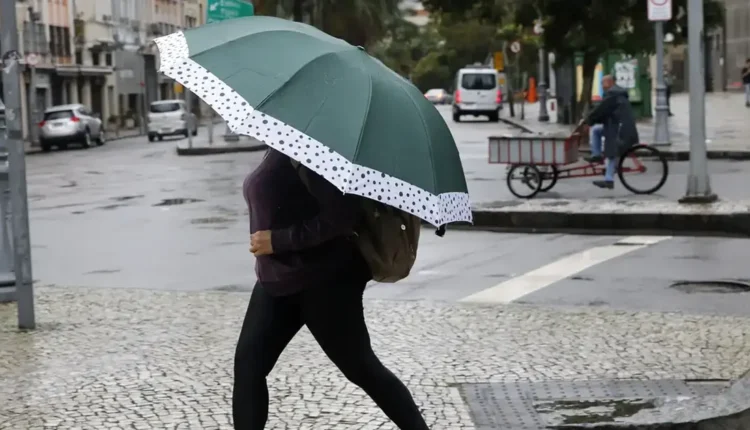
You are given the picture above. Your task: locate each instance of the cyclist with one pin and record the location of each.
(617, 129)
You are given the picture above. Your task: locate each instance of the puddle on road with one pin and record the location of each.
(211, 220)
(126, 198)
(591, 411)
(178, 201)
(719, 286)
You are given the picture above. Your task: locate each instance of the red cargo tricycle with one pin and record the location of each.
(537, 162)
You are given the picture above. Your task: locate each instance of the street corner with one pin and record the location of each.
(722, 218)
(98, 354)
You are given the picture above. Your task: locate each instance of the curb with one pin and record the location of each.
(226, 149)
(677, 155)
(734, 224)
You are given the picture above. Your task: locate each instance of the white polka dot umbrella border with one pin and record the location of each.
(346, 176)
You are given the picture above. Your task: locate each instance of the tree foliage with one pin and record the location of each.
(590, 27)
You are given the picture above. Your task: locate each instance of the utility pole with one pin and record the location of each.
(16, 164)
(661, 131)
(543, 114)
(34, 48)
(186, 91)
(698, 185)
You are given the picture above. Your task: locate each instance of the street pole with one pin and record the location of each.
(698, 185)
(661, 131)
(543, 114)
(210, 126)
(33, 108)
(185, 90)
(542, 85)
(16, 164)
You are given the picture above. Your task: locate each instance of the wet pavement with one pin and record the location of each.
(126, 358)
(143, 272)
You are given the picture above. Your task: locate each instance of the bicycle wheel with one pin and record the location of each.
(643, 169)
(527, 178)
(549, 177)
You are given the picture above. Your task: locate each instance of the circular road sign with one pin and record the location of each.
(32, 59)
(515, 47)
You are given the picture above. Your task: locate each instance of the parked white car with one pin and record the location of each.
(66, 124)
(170, 118)
(477, 93)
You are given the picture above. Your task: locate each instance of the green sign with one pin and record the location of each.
(220, 10)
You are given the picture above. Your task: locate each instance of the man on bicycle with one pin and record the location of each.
(612, 121)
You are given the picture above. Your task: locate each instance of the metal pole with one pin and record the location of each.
(661, 131)
(698, 185)
(543, 114)
(185, 90)
(33, 108)
(210, 126)
(16, 164)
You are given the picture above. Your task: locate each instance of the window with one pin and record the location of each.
(164, 107)
(108, 59)
(79, 57)
(60, 114)
(66, 42)
(479, 81)
(95, 57)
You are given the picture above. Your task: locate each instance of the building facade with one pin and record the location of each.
(99, 53)
(736, 40)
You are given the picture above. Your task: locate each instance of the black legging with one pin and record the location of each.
(334, 315)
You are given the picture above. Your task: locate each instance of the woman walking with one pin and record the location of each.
(310, 272)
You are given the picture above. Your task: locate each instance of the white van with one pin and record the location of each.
(170, 118)
(477, 93)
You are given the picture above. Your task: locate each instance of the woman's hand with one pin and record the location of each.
(260, 243)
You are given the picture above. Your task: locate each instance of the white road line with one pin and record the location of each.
(515, 288)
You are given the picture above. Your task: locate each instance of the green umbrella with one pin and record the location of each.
(328, 105)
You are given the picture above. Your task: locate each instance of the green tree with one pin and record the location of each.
(359, 22)
(591, 27)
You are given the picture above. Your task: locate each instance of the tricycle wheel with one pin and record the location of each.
(549, 177)
(524, 180)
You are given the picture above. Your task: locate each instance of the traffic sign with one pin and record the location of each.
(499, 60)
(220, 10)
(659, 10)
(515, 47)
(32, 59)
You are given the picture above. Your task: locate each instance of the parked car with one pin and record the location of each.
(438, 96)
(170, 118)
(477, 93)
(66, 124)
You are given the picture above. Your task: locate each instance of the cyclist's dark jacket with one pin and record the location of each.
(619, 122)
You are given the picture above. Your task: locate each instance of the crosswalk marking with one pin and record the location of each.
(515, 288)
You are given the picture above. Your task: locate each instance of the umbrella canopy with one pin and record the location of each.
(328, 105)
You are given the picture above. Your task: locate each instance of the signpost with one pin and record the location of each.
(699, 185)
(16, 167)
(220, 10)
(658, 12)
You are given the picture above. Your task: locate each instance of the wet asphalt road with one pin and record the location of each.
(135, 215)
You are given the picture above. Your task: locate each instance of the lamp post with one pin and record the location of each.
(543, 114)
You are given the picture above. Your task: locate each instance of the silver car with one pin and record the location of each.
(63, 125)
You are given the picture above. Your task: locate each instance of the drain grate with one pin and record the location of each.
(720, 286)
(513, 406)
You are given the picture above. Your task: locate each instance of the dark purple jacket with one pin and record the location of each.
(311, 229)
